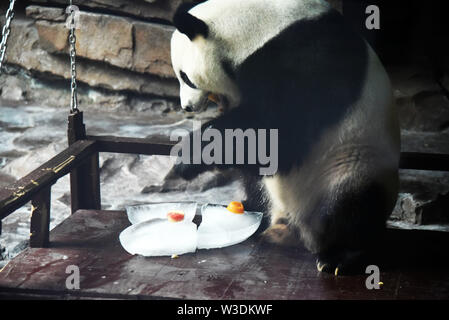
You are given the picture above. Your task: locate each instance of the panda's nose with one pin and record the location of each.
(188, 108)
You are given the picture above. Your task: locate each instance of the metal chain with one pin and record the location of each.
(5, 32)
(72, 41)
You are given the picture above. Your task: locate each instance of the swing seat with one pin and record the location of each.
(250, 270)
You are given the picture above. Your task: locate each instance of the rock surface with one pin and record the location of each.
(148, 9)
(116, 53)
(424, 198)
(122, 45)
(119, 41)
(25, 51)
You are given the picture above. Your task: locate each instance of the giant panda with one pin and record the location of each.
(294, 65)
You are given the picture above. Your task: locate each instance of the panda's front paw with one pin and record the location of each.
(280, 234)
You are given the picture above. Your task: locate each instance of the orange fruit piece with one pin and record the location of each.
(175, 216)
(236, 207)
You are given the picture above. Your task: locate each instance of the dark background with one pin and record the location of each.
(411, 31)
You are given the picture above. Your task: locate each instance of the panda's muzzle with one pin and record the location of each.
(202, 106)
(197, 107)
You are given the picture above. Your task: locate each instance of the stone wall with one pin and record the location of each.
(123, 46)
(116, 53)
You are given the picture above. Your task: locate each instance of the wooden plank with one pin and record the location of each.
(76, 130)
(412, 264)
(22, 191)
(85, 185)
(424, 161)
(157, 145)
(85, 179)
(40, 219)
(94, 179)
(425, 142)
(24, 294)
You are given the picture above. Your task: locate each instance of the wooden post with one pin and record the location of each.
(40, 219)
(76, 129)
(85, 180)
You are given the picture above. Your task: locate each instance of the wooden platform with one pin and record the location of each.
(414, 267)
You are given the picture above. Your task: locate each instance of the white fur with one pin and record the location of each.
(242, 27)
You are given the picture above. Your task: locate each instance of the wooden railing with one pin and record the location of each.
(80, 159)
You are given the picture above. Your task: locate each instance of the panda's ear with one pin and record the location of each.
(188, 24)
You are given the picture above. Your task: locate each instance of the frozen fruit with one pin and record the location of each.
(175, 216)
(236, 207)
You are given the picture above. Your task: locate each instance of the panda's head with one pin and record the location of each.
(214, 39)
(200, 63)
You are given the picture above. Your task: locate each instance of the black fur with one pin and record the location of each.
(227, 67)
(306, 79)
(188, 24)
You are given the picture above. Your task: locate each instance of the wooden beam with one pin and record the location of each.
(157, 145)
(16, 195)
(40, 219)
(162, 146)
(85, 185)
(76, 130)
(84, 180)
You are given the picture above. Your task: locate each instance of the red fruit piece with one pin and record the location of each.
(175, 216)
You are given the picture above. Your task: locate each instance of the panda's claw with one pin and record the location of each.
(342, 263)
(320, 267)
(323, 266)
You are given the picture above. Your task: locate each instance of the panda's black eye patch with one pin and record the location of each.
(187, 81)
